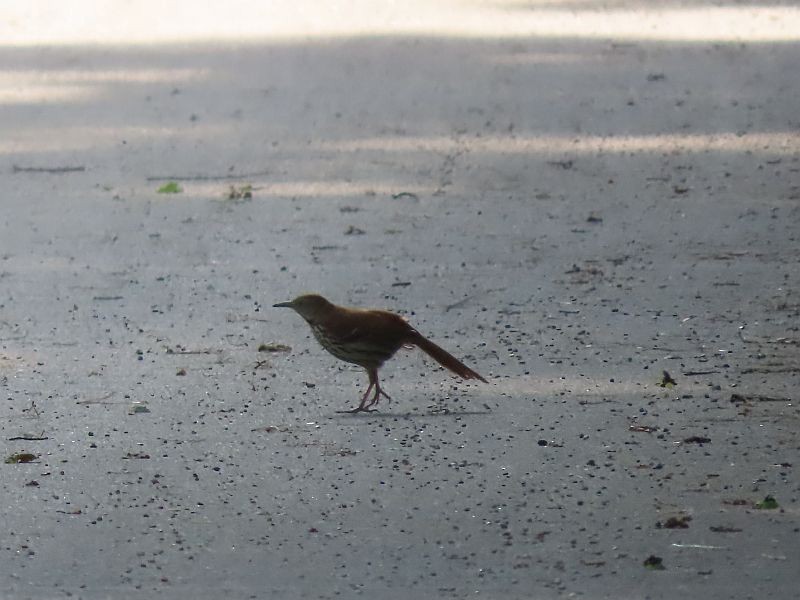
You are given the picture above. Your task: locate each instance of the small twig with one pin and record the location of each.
(759, 398)
(458, 304)
(18, 169)
(273, 428)
(405, 195)
(562, 164)
(100, 400)
(33, 409)
(771, 370)
(690, 373)
(764, 340)
(730, 255)
(642, 428)
(207, 177)
(28, 437)
(329, 247)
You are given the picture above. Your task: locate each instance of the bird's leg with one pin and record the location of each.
(363, 406)
(373, 376)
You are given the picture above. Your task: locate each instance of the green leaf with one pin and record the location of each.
(20, 457)
(667, 381)
(170, 188)
(768, 503)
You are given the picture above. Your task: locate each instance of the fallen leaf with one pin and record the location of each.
(679, 522)
(20, 457)
(244, 192)
(768, 503)
(696, 439)
(643, 428)
(170, 188)
(666, 380)
(736, 502)
(723, 529)
(139, 455)
(593, 563)
(654, 562)
(274, 348)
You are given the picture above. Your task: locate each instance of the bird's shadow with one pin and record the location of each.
(408, 415)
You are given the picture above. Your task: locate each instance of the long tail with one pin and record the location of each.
(443, 357)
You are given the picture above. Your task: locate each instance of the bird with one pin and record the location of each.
(368, 338)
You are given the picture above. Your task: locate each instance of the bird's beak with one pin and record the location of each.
(283, 305)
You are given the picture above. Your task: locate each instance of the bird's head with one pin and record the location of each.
(310, 306)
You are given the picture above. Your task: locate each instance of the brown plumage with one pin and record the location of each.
(368, 338)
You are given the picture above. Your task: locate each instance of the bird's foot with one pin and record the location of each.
(377, 396)
(370, 404)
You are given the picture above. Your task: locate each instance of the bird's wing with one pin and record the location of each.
(355, 334)
(367, 326)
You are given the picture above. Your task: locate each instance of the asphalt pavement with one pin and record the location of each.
(595, 206)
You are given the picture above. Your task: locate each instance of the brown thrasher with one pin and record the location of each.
(368, 338)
